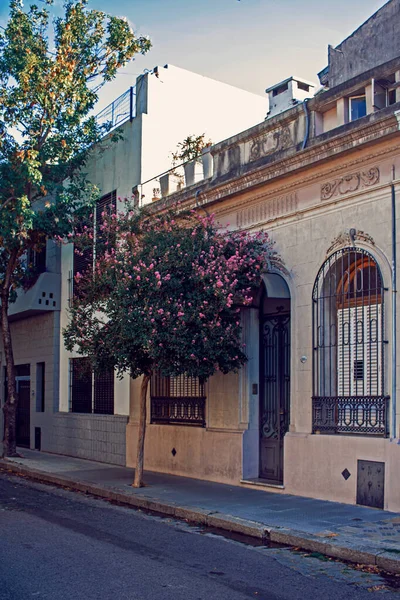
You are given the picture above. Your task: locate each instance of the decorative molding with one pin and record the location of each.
(270, 142)
(274, 171)
(397, 115)
(344, 239)
(267, 210)
(275, 264)
(350, 183)
(289, 165)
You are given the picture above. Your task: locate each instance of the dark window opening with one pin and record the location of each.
(359, 370)
(83, 258)
(90, 393)
(80, 385)
(104, 393)
(303, 86)
(280, 89)
(40, 387)
(391, 97)
(36, 259)
(177, 400)
(107, 205)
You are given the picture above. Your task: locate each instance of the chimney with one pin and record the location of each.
(288, 93)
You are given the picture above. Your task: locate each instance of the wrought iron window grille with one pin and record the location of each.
(178, 400)
(90, 392)
(348, 346)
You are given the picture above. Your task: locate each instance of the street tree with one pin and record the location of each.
(165, 295)
(51, 70)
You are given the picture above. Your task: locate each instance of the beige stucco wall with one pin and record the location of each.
(213, 453)
(314, 466)
(303, 224)
(35, 340)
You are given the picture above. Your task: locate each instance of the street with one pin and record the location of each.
(56, 545)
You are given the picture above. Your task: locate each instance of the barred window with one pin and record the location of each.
(107, 204)
(83, 259)
(90, 392)
(348, 355)
(177, 400)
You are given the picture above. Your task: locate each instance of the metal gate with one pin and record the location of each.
(274, 393)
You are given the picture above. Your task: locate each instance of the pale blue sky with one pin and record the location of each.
(248, 43)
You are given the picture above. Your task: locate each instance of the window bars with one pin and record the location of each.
(90, 392)
(348, 346)
(83, 259)
(178, 400)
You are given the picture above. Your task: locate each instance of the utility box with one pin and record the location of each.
(370, 483)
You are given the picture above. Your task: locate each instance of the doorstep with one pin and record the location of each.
(257, 481)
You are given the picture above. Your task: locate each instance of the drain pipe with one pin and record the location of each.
(394, 311)
(307, 130)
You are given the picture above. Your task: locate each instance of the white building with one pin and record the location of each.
(57, 412)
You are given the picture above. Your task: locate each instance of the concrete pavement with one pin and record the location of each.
(353, 533)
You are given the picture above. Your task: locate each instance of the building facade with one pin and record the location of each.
(315, 411)
(60, 409)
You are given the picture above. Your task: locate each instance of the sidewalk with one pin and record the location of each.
(353, 533)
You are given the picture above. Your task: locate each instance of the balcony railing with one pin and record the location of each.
(178, 411)
(120, 110)
(351, 414)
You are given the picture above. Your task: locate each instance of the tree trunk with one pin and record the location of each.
(10, 406)
(138, 481)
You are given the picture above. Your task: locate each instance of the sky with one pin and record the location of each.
(251, 44)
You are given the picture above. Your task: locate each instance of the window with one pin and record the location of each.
(178, 400)
(107, 204)
(357, 107)
(84, 259)
(90, 392)
(36, 260)
(348, 355)
(40, 386)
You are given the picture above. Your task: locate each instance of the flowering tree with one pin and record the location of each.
(166, 295)
(49, 81)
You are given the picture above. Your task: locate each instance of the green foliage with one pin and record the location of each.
(190, 148)
(50, 75)
(166, 294)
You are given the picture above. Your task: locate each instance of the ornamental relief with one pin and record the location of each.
(269, 209)
(271, 142)
(350, 183)
(344, 239)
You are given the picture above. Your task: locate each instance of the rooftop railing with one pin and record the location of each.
(120, 110)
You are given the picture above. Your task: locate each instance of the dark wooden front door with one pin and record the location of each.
(274, 393)
(24, 405)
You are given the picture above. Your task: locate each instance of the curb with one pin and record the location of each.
(384, 559)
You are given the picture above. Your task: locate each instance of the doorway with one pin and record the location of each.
(274, 414)
(23, 425)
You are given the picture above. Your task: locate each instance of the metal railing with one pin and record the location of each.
(178, 400)
(351, 414)
(120, 110)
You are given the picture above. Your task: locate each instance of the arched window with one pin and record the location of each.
(348, 345)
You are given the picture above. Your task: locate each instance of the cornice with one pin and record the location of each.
(272, 124)
(245, 182)
(210, 192)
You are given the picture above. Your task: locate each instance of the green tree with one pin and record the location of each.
(50, 73)
(165, 294)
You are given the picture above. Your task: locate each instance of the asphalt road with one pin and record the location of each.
(59, 545)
